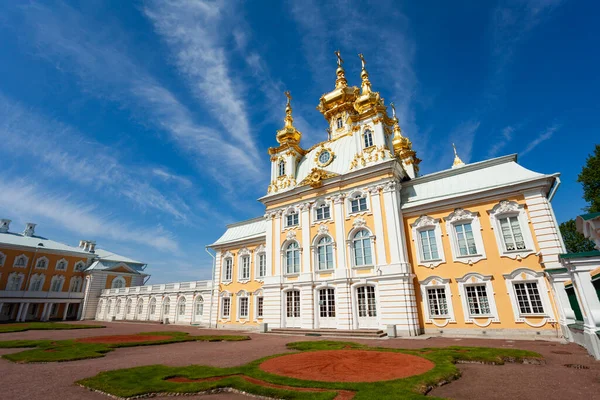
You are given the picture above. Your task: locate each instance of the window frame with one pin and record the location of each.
(281, 167)
(368, 310)
(244, 255)
(42, 259)
(19, 275)
(295, 216)
(241, 298)
(358, 195)
(526, 275)
(118, 279)
(225, 299)
(76, 267)
(426, 223)
(316, 247)
(41, 280)
(367, 138)
(78, 281)
(352, 242)
(21, 257)
(260, 254)
(460, 216)
(66, 263)
(321, 206)
(474, 279)
(286, 248)
(61, 281)
(436, 282)
(227, 257)
(507, 209)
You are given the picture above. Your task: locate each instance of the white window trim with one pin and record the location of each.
(352, 196)
(285, 215)
(226, 256)
(119, 279)
(43, 278)
(425, 222)
(178, 315)
(362, 137)
(354, 292)
(435, 282)
(37, 261)
(360, 224)
(55, 278)
(459, 216)
(290, 239)
(472, 279)
(152, 302)
(79, 281)
(317, 205)
(242, 294)
(66, 265)
(256, 295)
(199, 299)
(77, 264)
(22, 280)
(323, 232)
(524, 275)
(224, 295)
(241, 254)
(2, 259)
(260, 250)
(20, 266)
(505, 209)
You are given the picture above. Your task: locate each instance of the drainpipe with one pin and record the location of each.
(31, 266)
(212, 289)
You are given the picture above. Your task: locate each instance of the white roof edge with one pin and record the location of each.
(248, 221)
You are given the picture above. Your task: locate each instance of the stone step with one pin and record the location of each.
(368, 333)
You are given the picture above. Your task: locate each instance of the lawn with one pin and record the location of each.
(42, 326)
(126, 383)
(78, 349)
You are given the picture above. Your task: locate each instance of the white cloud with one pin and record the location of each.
(27, 200)
(505, 138)
(463, 136)
(542, 137)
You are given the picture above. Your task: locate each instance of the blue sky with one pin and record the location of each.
(145, 125)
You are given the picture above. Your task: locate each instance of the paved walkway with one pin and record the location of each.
(55, 380)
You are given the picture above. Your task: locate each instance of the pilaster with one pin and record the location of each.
(340, 236)
(378, 221)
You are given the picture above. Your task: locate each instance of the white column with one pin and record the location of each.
(378, 221)
(65, 311)
(19, 312)
(340, 236)
(44, 309)
(269, 243)
(277, 245)
(48, 310)
(24, 313)
(396, 237)
(305, 221)
(566, 315)
(588, 299)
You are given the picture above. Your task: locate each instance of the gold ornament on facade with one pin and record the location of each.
(341, 99)
(368, 99)
(316, 177)
(282, 182)
(322, 150)
(370, 155)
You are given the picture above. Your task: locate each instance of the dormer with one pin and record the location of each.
(4, 225)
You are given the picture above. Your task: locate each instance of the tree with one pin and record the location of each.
(575, 242)
(590, 179)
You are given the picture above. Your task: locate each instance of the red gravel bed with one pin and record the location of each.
(123, 339)
(347, 366)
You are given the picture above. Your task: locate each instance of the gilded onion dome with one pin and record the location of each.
(342, 97)
(288, 134)
(368, 100)
(402, 145)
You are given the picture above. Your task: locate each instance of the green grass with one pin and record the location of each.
(42, 326)
(152, 379)
(71, 350)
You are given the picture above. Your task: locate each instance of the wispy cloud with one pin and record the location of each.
(542, 137)
(505, 138)
(17, 197)
(463, 136)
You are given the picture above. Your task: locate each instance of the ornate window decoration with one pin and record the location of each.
(181, 306)
(529, 296)
(199, 306)
(166, 306)
(360, 241)
(15, 281)
(281, 168)
(56, 283)
(243, 305)
(367, 138)
(128, 307)
(118, 283)
(291, 257)
(261, 262)
(225, 305)
(244, 265)
(2, 259)
(139, 308)
(427, 235)
(358, 203)
(464, 229)
(79, 266)
(76, 284)
(323, 249)
(258, 304)
(37, 282)
(322, 211)
(324, 156)
(437, 299)
(227, 274)
(21, 261)
(510, 224)
(477, 298)
(152, 306)
(292, 218)
(41, 263)
(118, 307)
(340, 123)
(62, 265)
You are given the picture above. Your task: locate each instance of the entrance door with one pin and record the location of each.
(292, 309)
(326, 304)
(367, 307)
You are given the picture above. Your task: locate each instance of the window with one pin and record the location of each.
(429, 250)
(243, 307)
(79, 266)
(37, 282)
(42, 263)
(76, 284)
(511, 234)
(118, 283)
(2, 258)
(368, 138)
(464, 232)
(152, 307)
(181, 307)
(20, 261)
(291, 219)
(199, 307)
(362, 248)
(245, 272)
(358, 203)
(128, 307)
(324, 254)
(61, 265)
(438, 306)
(118, 307)
(226, 307)
(323, 212)
(340, 123)
(140, 307)
(292, 258)
(281, 167)
(57, 283)
(327, 303)
(292, 304)
(528, 297)
(262, 265)
(228, 268)
(478, 300)
(465, 239)
(167, 306)
(259, 307)
(366, 301)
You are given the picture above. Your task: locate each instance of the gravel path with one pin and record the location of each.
(55, 380)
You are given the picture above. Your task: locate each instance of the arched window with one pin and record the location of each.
(167, 306)
(368, 138)
(340, 123)
(41, 263)
(140, 307)
(322, 211)
(61, 265)
(325, 253)
(15, 281)
(57, 283)
(362, 248)
(358, 203)
(199, 307)
(99, 309)
(76, 284)
(118, 282)
(152, 307)
(291, 219)
(181, 307)
(37, 282)
(281, 168)
(128, 306)
(118, 307)
(228, 267)
(292, 258)
(20, 261)
(79, 266)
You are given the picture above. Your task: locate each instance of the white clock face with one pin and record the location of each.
(324, 157)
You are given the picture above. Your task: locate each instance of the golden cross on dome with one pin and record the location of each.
(340, 61)
(393, 109)
(362, 59)
(288, 95)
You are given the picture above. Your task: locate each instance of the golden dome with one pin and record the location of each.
(288, 134)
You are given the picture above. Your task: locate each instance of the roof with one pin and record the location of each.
(593, 253)
(587, 217)
(469, 179)
(106, 255)
(245, 230)
(17, 239)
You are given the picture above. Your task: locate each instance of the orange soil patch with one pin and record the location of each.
(123, 339)
(347, 365)
(341, 394)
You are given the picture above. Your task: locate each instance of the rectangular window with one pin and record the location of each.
(259, 307)
(228, 269)
(478, 300)
(368, 136)
(528, 298)
(245, 273)
(292, 219)
(243, 307)
(226, 307)
(366, 301)
(323, 213)
(438, 306)
(511, 234)
(262, 265)
(359, 204)
(429, 249)
(327, 303)
(325, 257)
(465, 239)
(293, 304)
